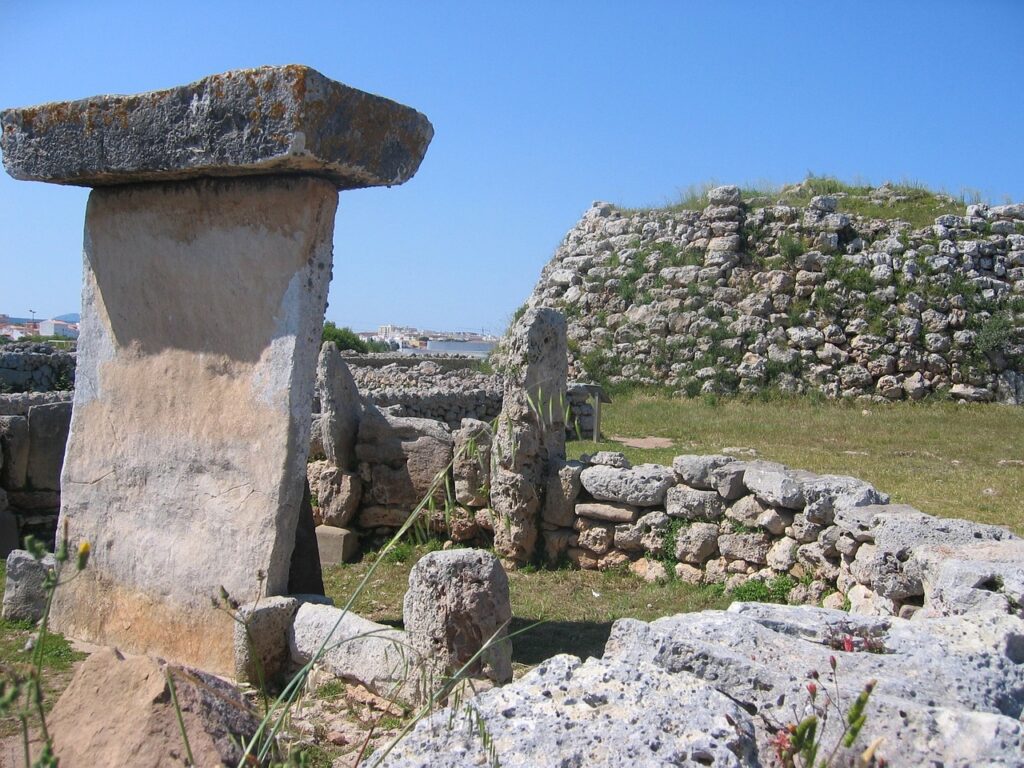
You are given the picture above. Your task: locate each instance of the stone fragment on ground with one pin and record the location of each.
(118, 711)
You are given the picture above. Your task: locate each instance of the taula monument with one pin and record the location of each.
(208, 252)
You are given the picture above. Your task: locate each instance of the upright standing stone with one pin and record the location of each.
(203, 303)
(458, 603)
(339, 407)
(529, 442)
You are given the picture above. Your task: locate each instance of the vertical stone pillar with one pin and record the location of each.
(529, 442)
(208, 253)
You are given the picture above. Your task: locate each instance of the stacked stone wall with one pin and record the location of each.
(740, 298)
(35, 368)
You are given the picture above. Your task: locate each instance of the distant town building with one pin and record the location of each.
(58, 328)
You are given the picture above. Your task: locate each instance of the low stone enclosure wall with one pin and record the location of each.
(30, 367)
(817, 539)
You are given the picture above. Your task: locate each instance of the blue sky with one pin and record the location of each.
(540, 108)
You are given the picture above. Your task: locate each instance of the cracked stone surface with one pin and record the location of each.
(269, 120)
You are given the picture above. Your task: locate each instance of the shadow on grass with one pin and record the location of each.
(580, 638)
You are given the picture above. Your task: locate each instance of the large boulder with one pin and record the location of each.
(566, 712)
(948, 691)
(457, 602)
(118, 710)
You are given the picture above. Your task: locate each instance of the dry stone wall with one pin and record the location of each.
(36, 368)
(740, 297)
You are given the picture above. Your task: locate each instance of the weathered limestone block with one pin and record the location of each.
(14, 448)
(472, 462)
(774, 485)
(202, 308)
(339, 407)
(563, 488)
(688, 504)
(699, 471)
(594, 536)
(529, 443)
(261, 639)
(401, 457)
(24, 595)
(947, 690)
(749, 547)
(607, 511)
(335, 545)
(269, 120)
(457, 602)
(696, 543)
(378, 657)
(47, 437)
(641, 486)
(568, 712)
(337, 492)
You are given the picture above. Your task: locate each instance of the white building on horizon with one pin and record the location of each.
(58, 328)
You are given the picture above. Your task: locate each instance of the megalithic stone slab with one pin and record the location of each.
(270, 120)
(202, 307)
(202, 310)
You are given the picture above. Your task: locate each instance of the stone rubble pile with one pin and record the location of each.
(741, 298)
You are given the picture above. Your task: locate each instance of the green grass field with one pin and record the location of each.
(944, 458)
(940, 457)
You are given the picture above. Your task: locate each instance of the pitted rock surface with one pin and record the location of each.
(269, 120)
(597, 713)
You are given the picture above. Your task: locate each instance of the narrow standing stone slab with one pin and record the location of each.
(270, 120)
(202, 308)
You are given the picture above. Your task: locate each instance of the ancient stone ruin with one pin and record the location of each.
(753, 294)
(208, 251)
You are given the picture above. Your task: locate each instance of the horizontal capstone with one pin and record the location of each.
(270, 120)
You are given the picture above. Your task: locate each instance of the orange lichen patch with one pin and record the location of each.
(298, 75)
(277, 110)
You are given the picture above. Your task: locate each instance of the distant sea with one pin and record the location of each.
(472, 348)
